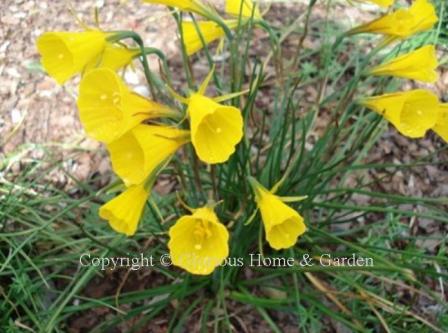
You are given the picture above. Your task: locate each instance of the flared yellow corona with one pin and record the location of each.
(140, 151)
(215, 128)
(282, 224)
(199, 242)
(124, 211)
(108, 109)
(418, 65)
(65, 54)
(412, 113)
(402, 23)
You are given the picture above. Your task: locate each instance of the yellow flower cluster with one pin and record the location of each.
(142, 135)
(139, 147)
(413, 112)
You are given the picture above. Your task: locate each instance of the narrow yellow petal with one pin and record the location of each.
(418, 65)
(205, 83)
(226, 97)
(65, 54)
(124, 211)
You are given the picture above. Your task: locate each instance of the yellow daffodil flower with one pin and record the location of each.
(195, 6)
(124, 211)
(140, 151)
(215, 128)
(198, 242)
(210, 32)
(234, 7)
(402, 23)
(65, 54)
(108, 109)
(282, 224)
(418, 65)
(441, 127)
(382, 3)
(412, 112)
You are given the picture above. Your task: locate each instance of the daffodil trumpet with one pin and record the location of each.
(283, 225)
(215, 129)
(402, 23)
(124, 211)
(108, 108)
(65, 54)
(199, 242)
(140, 151)
(420, 65)
(412, 112)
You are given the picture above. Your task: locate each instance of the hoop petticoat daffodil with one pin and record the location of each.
(136, 154)
(215, 129)
(198, 242)
(402, 23)
(108, 109)
(441, 126)
(195, 6)
(418, 65)
(412, 113)
(65, 54)
(282, 224)
(209, 30)
(124, 211)
(245, 7)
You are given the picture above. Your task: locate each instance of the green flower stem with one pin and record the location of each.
(162, 57)
(207, 54)
(137, 39)
(304, 35)
(185, 58)
(275, 45)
